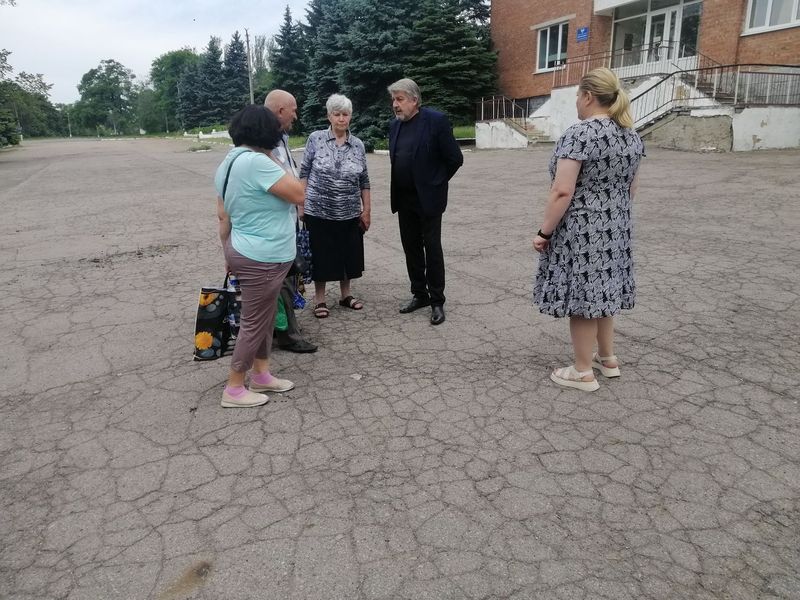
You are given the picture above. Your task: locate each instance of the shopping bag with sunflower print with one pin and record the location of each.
(217, 321)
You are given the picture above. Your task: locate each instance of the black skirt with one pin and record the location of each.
(337, 248)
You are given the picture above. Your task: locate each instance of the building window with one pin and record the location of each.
(763, 15)
(552, 46)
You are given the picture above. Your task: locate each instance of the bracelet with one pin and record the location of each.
(543, 236)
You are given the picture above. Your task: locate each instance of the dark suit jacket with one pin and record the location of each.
(437, 157)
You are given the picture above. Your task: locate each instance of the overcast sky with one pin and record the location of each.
(63, 39)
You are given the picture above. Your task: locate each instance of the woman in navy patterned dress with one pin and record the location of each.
(585, 263)
(337, 204)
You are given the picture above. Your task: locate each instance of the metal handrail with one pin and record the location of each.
(646, 58)
(501, 107)
(736, 85)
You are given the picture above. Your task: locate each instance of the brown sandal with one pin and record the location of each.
(351, 302)
(321, 311)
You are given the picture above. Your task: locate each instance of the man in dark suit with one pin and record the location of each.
(424, 156)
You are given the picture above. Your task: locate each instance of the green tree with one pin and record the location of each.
(34, 115)
(149, 115)
(474, 11)
(260, 53)
(262, 76)
(188, 111)
(8, 121)
(165, 72)
(235, 69)
(5, 67)
(452, 65)
(477, 13)
(288, 59)
(34, 84)
(212, 99)
(107, 98)
(9, 135)
(327, 21)
(378, 50)
(25, 106)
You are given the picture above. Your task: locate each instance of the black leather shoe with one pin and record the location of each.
(415, 304)
(437, 315)
(300, 346)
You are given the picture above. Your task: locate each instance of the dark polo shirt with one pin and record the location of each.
(402, 174)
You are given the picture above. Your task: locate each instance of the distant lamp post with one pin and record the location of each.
(69, 126)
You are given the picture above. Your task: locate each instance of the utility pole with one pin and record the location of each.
(249, 65)
(69, 127)
(19, 124)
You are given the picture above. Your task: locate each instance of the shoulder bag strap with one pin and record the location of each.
(228, 174)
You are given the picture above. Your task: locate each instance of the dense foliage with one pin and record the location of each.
(359, 47)
(25, 108)
(288, 59)
(354, 47)
(165, 73)
(107, 99)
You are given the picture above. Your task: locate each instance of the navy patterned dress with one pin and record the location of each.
(587, 269)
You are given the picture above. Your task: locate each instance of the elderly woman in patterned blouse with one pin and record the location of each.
(337, 204)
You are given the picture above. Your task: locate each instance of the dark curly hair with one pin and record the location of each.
(256, 126)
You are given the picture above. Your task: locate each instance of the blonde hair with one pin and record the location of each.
(604, 85)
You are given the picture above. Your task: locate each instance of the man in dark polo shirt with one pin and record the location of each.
(284, 106)
(424, 156)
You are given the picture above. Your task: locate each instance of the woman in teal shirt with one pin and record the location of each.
(256, 226)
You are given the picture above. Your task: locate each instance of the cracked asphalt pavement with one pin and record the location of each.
(411, 461)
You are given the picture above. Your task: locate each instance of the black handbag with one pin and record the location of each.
(217, 323)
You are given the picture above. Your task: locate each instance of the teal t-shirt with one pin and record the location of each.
(262, 227)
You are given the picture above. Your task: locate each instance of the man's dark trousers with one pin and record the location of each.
(422, 243)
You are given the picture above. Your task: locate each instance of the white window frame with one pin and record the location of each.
(794, 22)
(545, 28)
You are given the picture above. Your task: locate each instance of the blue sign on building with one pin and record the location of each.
(582, 34)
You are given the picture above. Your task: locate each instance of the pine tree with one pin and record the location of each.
(188, 113)
(235, 69)
(452, 65)
(327, 21)
(377, 47)
(212, 100)
(477, 13)
(288, 59)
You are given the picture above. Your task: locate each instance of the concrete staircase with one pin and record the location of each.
(531, 132)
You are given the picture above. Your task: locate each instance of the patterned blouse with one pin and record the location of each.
(335, 176)
(587, 269)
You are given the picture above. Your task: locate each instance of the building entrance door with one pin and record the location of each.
(662, 35)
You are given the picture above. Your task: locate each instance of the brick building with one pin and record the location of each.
(536, 40)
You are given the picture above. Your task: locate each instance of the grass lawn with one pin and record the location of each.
(462, 131)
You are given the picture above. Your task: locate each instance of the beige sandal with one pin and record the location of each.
(569, 377)
(597, 363)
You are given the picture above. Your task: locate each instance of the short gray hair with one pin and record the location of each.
(339, 103)
(407, 87)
